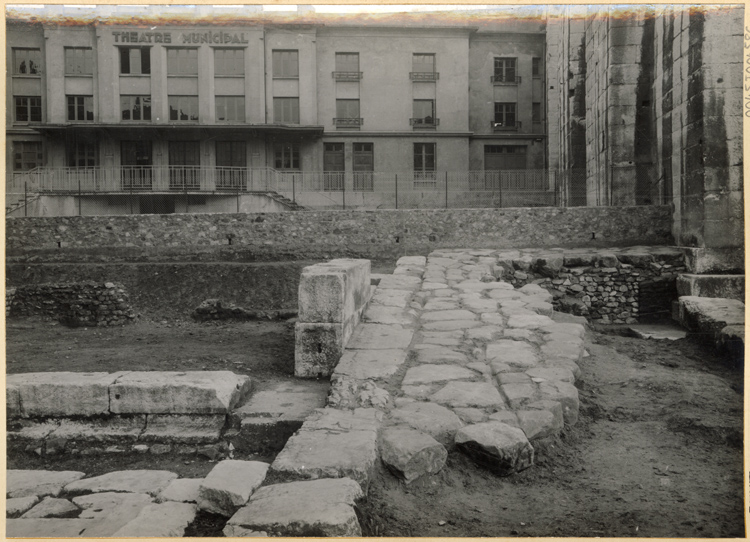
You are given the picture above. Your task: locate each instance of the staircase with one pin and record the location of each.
(286, 202)
(13, 204)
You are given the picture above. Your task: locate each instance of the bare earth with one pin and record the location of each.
(657, 451)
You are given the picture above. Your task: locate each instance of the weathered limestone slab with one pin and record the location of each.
(172, 392)
(333, 444)
(63, 394)
(412, 260)
(38, 483)
(181, 490)
(429, 374)
(17, 506)
(496, 446)
(380, 314)
(512, 352)
(485, 333)
(183, 427)
(451, 325)
(435, 420)
(518, 394)
(468, 394)
(710, 314)
(480, 305)
(410, 454)
(529, 321)
(48, 528)
(333, 292)
(380, 337)
(167, 519)
(50, 507)
(441, 355)
(111, 428)
(399, 282)
(31, 430)
(440, 305)
(130, 481)
(391, 297)
(319, 508)
(538, 424)
(566, 394)
(551, 373)
(109, 511)
(229, 485)
(236, 531)
(566, 328)
(318, 348)
(725, 286)
(370, 364)
(478, 286)
(439, 316)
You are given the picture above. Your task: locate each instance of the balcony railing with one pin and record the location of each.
(426, 122)
(347, 122)
(505, 80)
(424, 76)
(347, 76)
(505, 126)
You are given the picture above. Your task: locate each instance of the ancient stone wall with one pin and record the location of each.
(75, 304)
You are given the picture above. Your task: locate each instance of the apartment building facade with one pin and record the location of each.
(187, 115)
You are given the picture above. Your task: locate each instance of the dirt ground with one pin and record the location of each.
(657, 451)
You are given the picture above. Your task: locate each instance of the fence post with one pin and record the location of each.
(79, 195)
(294, 188)
(25, 196)
(238, 200)
(343, 192)
(446, 189)
(131, 196)
(396, 190)
(500, 188)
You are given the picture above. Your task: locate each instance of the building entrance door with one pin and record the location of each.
(136, 160)
(333, 166)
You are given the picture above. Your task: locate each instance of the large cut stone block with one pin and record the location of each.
(410, 454)
(497, 446)
(193, 428)
(17, 506)
(129, 481)
(63, 394)
(172, 392)
(318, 348)
(229, 485)
(109, 429)
(38, 483)
(333, 292)
(53, 528)
(168, 519)
(727, 286)
(380, 337)
(109, 511)
(370, 364)
(435, 420)
(51, 507)
(318, 508)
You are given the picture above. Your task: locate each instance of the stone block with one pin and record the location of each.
(710, 315)
(412, 260)
(399, 282)
(181, 490)
(727, 286)
(109, 511)
(186, 428)
(468, 394)
(435, 420)
(18, 505)
(410, 454)
(379, 314)
(172, 392)
(714, 260)
(38, 483)
(526, 321)
(370, 364)
(229, 485)
(539, 374)
(496, 446)
(391, 298)
(440, 316)
(150, 482)
(167, 519)
(63, 394)
(318, 348)
(538, 424)
(451, 325)
(109, 429)
(566, 394)
(51, 507)
(48, 528)
(319, 508)
(510, 352)
(430, 374)
(380, 337)
(333, 292)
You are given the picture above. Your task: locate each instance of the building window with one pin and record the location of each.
(230, 108)
(363, 165)
(286, 156)
(286, 110)
(424, 114)
(184, 165)
(28, 108)
(286, 64)
(81, 153)
(347, 114)
(424, 163)
(505, 71)
(27, 155)
(183, 108)
(536, 67)
(135, 60)
(80, 108)
(505, 117)
(231, 154)
(347, 67)
(182, 61)
(79, 61)
(536, 112)
(135, 107)
(27, 61)
(423, 67)
(504, 157)
(229, 62)
(334, 166)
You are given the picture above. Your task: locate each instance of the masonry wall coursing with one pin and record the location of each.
(343, 233)
(74, 304)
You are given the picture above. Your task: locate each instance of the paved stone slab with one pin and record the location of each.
(380, 314)
(529, 321)
(319, 508)
(129, 481)
(496, 446)
(450, 325)
(551, 373)
(565, 393)
(441, 355)
(493, 318)
(515, 353)
(485, 333)
(17, 506)
(51, 507)
(391, 298)
(109, 429)
(167, 519)
(360, 419)
(184, 427)
(39, 483)
(109, 511)
(172, 392)
(411, 260)
(441, 341)
(410, 454)
(333, 291)
(380, 337)
(517, 334)
(48, 528)
(236, 531)
(478, 286)
(468, 394)
(370, 364)
(538, 424)
(429, 374)
(505, 416)
(519, 394)
(399, 282)
(504, 294)
(435, 420)
(181, 490)
(440, 304)
(564, 327)
(480, 305)
(439, 316)
(63, 394)
(229, 485)
(286, 401)
(658, 332)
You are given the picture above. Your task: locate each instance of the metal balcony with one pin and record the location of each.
(426, 123)
(347, 122)
(504, 80)
(424, 76)
(347, 76)
(505, 127)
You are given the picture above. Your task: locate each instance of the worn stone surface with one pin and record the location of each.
(39, 483)
(441, 355)
(48, 528)
(109, 429)
(333, 291)
(726, 286)
(391, 298)
(109, 511)
(435, 420)
(181, 490)
(17, 506)
(229, 485)
(379, 337)
(184, 427)
(171, 392)
(428, 374)
(410, 454)
(497, 446)
(566, 394)
(131, 481)
(63, 394)
(380, 314)
(167, 519)
(318, 508)
(468, 394)
(51, 507)
(538, 424)
(370, 364)
(318, 348)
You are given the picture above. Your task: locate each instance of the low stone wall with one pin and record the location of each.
(327, 234)
(75, 304)
(612, 286)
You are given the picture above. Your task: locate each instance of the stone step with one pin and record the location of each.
(728, 286)
(719, 320)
